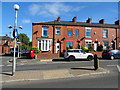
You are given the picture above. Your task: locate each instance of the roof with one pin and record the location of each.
(5, 38)
(71, 23)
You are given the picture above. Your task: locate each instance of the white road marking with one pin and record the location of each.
(9, 65)
(1, 65)
(118, 68)
(111, 65)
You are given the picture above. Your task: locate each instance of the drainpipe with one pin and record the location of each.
(53, 38)
(116, 38)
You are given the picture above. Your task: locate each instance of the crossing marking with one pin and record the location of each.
(118, 67)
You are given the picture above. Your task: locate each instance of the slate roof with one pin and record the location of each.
(71, 23)
(5, 38)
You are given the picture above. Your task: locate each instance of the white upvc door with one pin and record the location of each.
(95, 46)
(57, 47)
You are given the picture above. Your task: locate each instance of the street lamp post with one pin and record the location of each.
(15, 35)
(16, 7)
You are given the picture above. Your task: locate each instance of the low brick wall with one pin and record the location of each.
(97, 53)
(42, 55)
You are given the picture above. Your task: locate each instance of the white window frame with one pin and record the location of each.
(57, 30)
(105, 34)
(86, 31)
(44, 46)
(43, 31)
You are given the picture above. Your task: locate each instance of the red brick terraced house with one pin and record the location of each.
(54, 37)
(5, 44)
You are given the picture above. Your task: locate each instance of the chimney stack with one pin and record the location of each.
(58, 19)
(89, 20)
(74, 19)
(102, 21)
(117, 22)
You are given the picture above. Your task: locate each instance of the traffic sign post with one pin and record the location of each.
(18, 42)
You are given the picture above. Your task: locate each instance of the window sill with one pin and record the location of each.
(88, 37)
(45, 50)
(45, 36)
(105, 37)
(57, 34)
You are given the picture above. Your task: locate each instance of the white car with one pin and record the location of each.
(73, 54)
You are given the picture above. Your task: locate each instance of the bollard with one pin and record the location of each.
(96, 62)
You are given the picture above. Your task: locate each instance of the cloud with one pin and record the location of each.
(26, 21)
(34, 9)
(52, 9)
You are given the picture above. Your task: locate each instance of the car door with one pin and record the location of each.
(115, 53)
(82, 54)
(76, 54)
(119, 54)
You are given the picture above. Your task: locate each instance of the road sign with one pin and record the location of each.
(18, 42)
(15, 33)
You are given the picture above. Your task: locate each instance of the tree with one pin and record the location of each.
(24, 40)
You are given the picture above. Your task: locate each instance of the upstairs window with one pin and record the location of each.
(69, 32)
(105, 33)
(88, 32)
(45, 31)
(58, 30)
(77, 33)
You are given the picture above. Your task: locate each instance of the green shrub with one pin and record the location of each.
(85, 49)
(36, 50)
(70, 47)
(108, 47)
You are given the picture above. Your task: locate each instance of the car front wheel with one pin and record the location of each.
(112, 57)
(90, 58)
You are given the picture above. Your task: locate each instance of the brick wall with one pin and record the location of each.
(47, 55)
(96, 34)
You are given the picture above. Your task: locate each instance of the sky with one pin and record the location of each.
(30, 12)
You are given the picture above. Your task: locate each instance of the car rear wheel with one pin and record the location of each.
(90, 58)
(112, 57)
(71, 58)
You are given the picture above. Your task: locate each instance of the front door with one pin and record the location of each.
(57, 47)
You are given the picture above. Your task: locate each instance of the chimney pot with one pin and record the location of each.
(6, 35)
(89, 20)
(74, 19)
(58, 19)
(102, 21)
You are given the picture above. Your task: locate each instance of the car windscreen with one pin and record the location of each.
(76, 51)
(114, 51)
(82, 51)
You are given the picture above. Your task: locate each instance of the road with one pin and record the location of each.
(97, 81)
(58, 65)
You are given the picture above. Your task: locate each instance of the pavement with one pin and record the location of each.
(50, 74)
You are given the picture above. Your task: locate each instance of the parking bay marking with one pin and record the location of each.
(111, 65)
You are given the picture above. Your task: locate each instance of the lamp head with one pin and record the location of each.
(20, 27)
(9, 26)
(16, 7)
